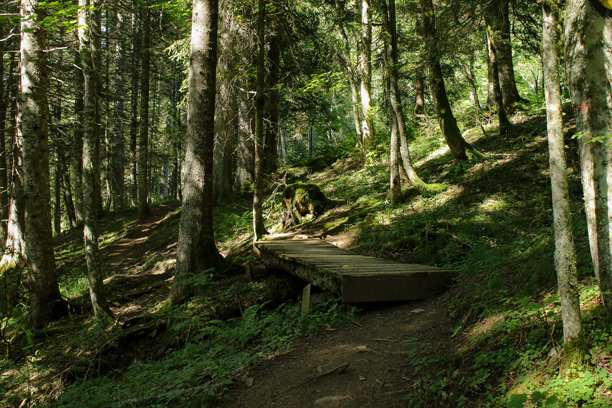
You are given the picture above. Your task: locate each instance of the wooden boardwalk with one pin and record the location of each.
(357, 278)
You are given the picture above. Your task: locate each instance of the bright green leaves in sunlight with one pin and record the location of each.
(324, 83)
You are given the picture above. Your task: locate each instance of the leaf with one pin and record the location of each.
(517, 401)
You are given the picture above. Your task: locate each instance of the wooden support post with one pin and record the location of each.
(306, 300)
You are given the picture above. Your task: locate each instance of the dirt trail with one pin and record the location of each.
(378, 346)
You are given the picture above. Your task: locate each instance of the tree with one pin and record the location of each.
(565, 253)
(143, 136)
(273, 100)
(196, 250)
(365, 70)
(448, 123)
(117, 184)
(88, 19)
(45, 300)
(389, 25)
(498, 26)
(135, 68)
(344, 54)
(4, 101)
(259, 228)
(589, 72)
(504, 123)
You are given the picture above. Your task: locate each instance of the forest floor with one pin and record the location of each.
(492, 339)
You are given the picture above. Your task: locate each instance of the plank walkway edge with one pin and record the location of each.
(357, 278)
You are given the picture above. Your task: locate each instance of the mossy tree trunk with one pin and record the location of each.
(504, 123)
(77, 140)
(45, 300)
(196, 250)
(134, 94)
(448, 123)
(143, 134)
(498, 24)
(259, 228)
(389, 26)
(365, 70)
(87, 27)
(565, 253)
(4, 101)
(588, 40)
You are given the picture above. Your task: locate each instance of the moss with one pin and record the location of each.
(573, 356)
(300, 202)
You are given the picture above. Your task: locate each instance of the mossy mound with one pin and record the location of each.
(302, 201)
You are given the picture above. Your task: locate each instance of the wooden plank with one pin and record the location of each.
(357, 278)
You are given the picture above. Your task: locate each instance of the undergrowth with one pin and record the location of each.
(203, 368)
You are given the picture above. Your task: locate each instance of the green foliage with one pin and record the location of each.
(203, 368)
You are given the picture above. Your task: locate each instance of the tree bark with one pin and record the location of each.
(143, 136)
(389, 25)
(135, 66)
(565, 253)
(588, 40)
(259, 229)
(498, 23)
(352, 71)
(448, 123)
(196, 252)
(77, 141)
(504, 123)
(419, 81)
(395, 182)
(14, 248)
(117, 184)
(469, 75)
(365, 69)
(271, 145)
(46, 303)
(4, 101)
(91, 105)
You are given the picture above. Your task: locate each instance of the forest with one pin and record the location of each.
(152, 152)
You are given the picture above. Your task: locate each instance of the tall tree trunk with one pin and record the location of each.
(588, 40)
(419, 81)
(95, 43)
(365, 69)
(504, 123)
(395, 182)
(143, 137)
(226, 125)
(565, 253)
(448, 123)
(46, 303)
(135, 67)
(345, 56)
(196, 251)
(14, 248)
(259, 229)
(468, 68)
(117, 166)
(498, 23)
(77, 141)
(271, 145)
(4, 101)
(57, 192)
(66, 187)
(389, 25)
(86, 15)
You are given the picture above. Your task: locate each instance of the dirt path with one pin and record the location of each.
(378, 347)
